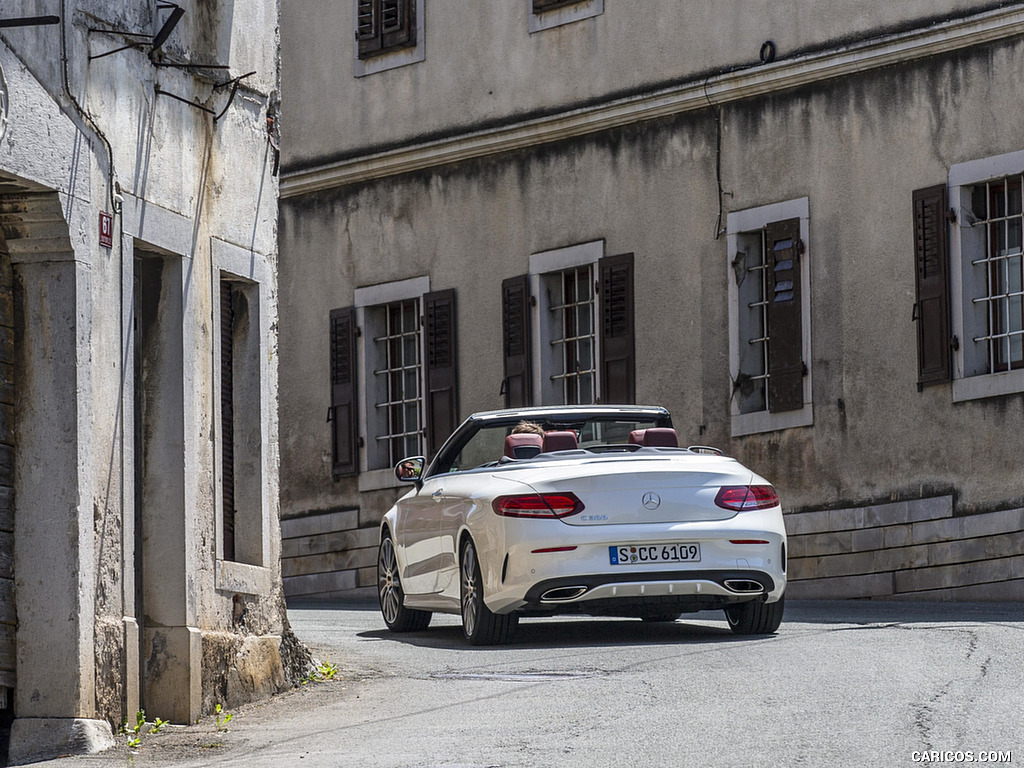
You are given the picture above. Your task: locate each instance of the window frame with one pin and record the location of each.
(974, 385)
(746, 223)
(390, 58)
(250, 274)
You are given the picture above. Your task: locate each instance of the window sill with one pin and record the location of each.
(988, 385)
(763, 421)
(242, 577)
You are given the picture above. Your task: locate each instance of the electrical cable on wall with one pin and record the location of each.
(765, 56)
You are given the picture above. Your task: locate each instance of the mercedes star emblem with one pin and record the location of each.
(651, 500)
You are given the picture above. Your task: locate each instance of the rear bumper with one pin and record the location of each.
(633, 593)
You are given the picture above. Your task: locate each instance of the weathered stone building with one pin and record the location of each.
(139, 538)
(796, 225)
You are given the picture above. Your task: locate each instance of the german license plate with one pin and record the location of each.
(631, 554)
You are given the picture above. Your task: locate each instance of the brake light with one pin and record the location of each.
(745, 497)
(538, 505)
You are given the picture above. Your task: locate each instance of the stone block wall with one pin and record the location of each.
(324, 554)
(909, 549)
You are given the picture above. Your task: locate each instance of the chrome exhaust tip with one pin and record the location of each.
(562, 594)
(744, 586)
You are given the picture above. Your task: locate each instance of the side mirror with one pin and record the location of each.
(410, 470)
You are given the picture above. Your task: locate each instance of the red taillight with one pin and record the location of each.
(744, 497)
(538, 505)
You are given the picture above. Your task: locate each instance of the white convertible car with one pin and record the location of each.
(579, 509)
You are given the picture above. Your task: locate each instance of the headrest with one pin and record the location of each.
(662, 437)
(636, 437)
(559, 441)
(523, 445)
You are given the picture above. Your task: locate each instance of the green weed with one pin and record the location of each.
(324, 671)
(222, 719)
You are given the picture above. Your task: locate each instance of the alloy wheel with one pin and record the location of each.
(388, 585)
(470, 592)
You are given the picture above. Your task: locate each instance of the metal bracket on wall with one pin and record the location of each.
(234, 83)
(29, 21)
(161, 92)
(153, 41)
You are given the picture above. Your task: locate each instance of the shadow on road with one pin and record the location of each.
(576, 633)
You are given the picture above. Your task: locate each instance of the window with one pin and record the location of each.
(396, 350)
(769, 318)
(986, 342)
(240, 422)
(546, 14)
(389, 34)
(568, 329)
(242, 314)
(384, 25)
(996, 208)
(570, 303)
(395, 391)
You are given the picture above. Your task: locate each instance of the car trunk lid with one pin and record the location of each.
(618, 492)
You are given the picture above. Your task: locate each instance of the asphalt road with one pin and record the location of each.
(841, 683)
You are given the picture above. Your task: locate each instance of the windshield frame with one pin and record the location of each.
(574, 418)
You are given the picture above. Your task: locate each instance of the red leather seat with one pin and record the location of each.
(636, 437)
(560, 441)
(523, 445)
(661, 437)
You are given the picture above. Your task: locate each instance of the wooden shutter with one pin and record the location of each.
(539, 6)
(368, 35)
(618, 366)
(785, 316)
(441, 370)
(398, 23)
(515, 315)
(931, 263)
(344, 425)
(227, 415)
(382, 25)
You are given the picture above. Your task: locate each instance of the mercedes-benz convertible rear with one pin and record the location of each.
(593, 510)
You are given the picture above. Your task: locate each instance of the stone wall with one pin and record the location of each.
(908, 549)
(324, 554)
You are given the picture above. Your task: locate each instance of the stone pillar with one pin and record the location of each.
(54, 556)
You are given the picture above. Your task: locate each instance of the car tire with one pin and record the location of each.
(389, 591)
(755, 617)
(480, 625)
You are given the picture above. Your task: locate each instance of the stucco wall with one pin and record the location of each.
(858, 148)
(485, 66)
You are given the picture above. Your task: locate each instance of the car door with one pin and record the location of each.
(418, 520)
(459, 489)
